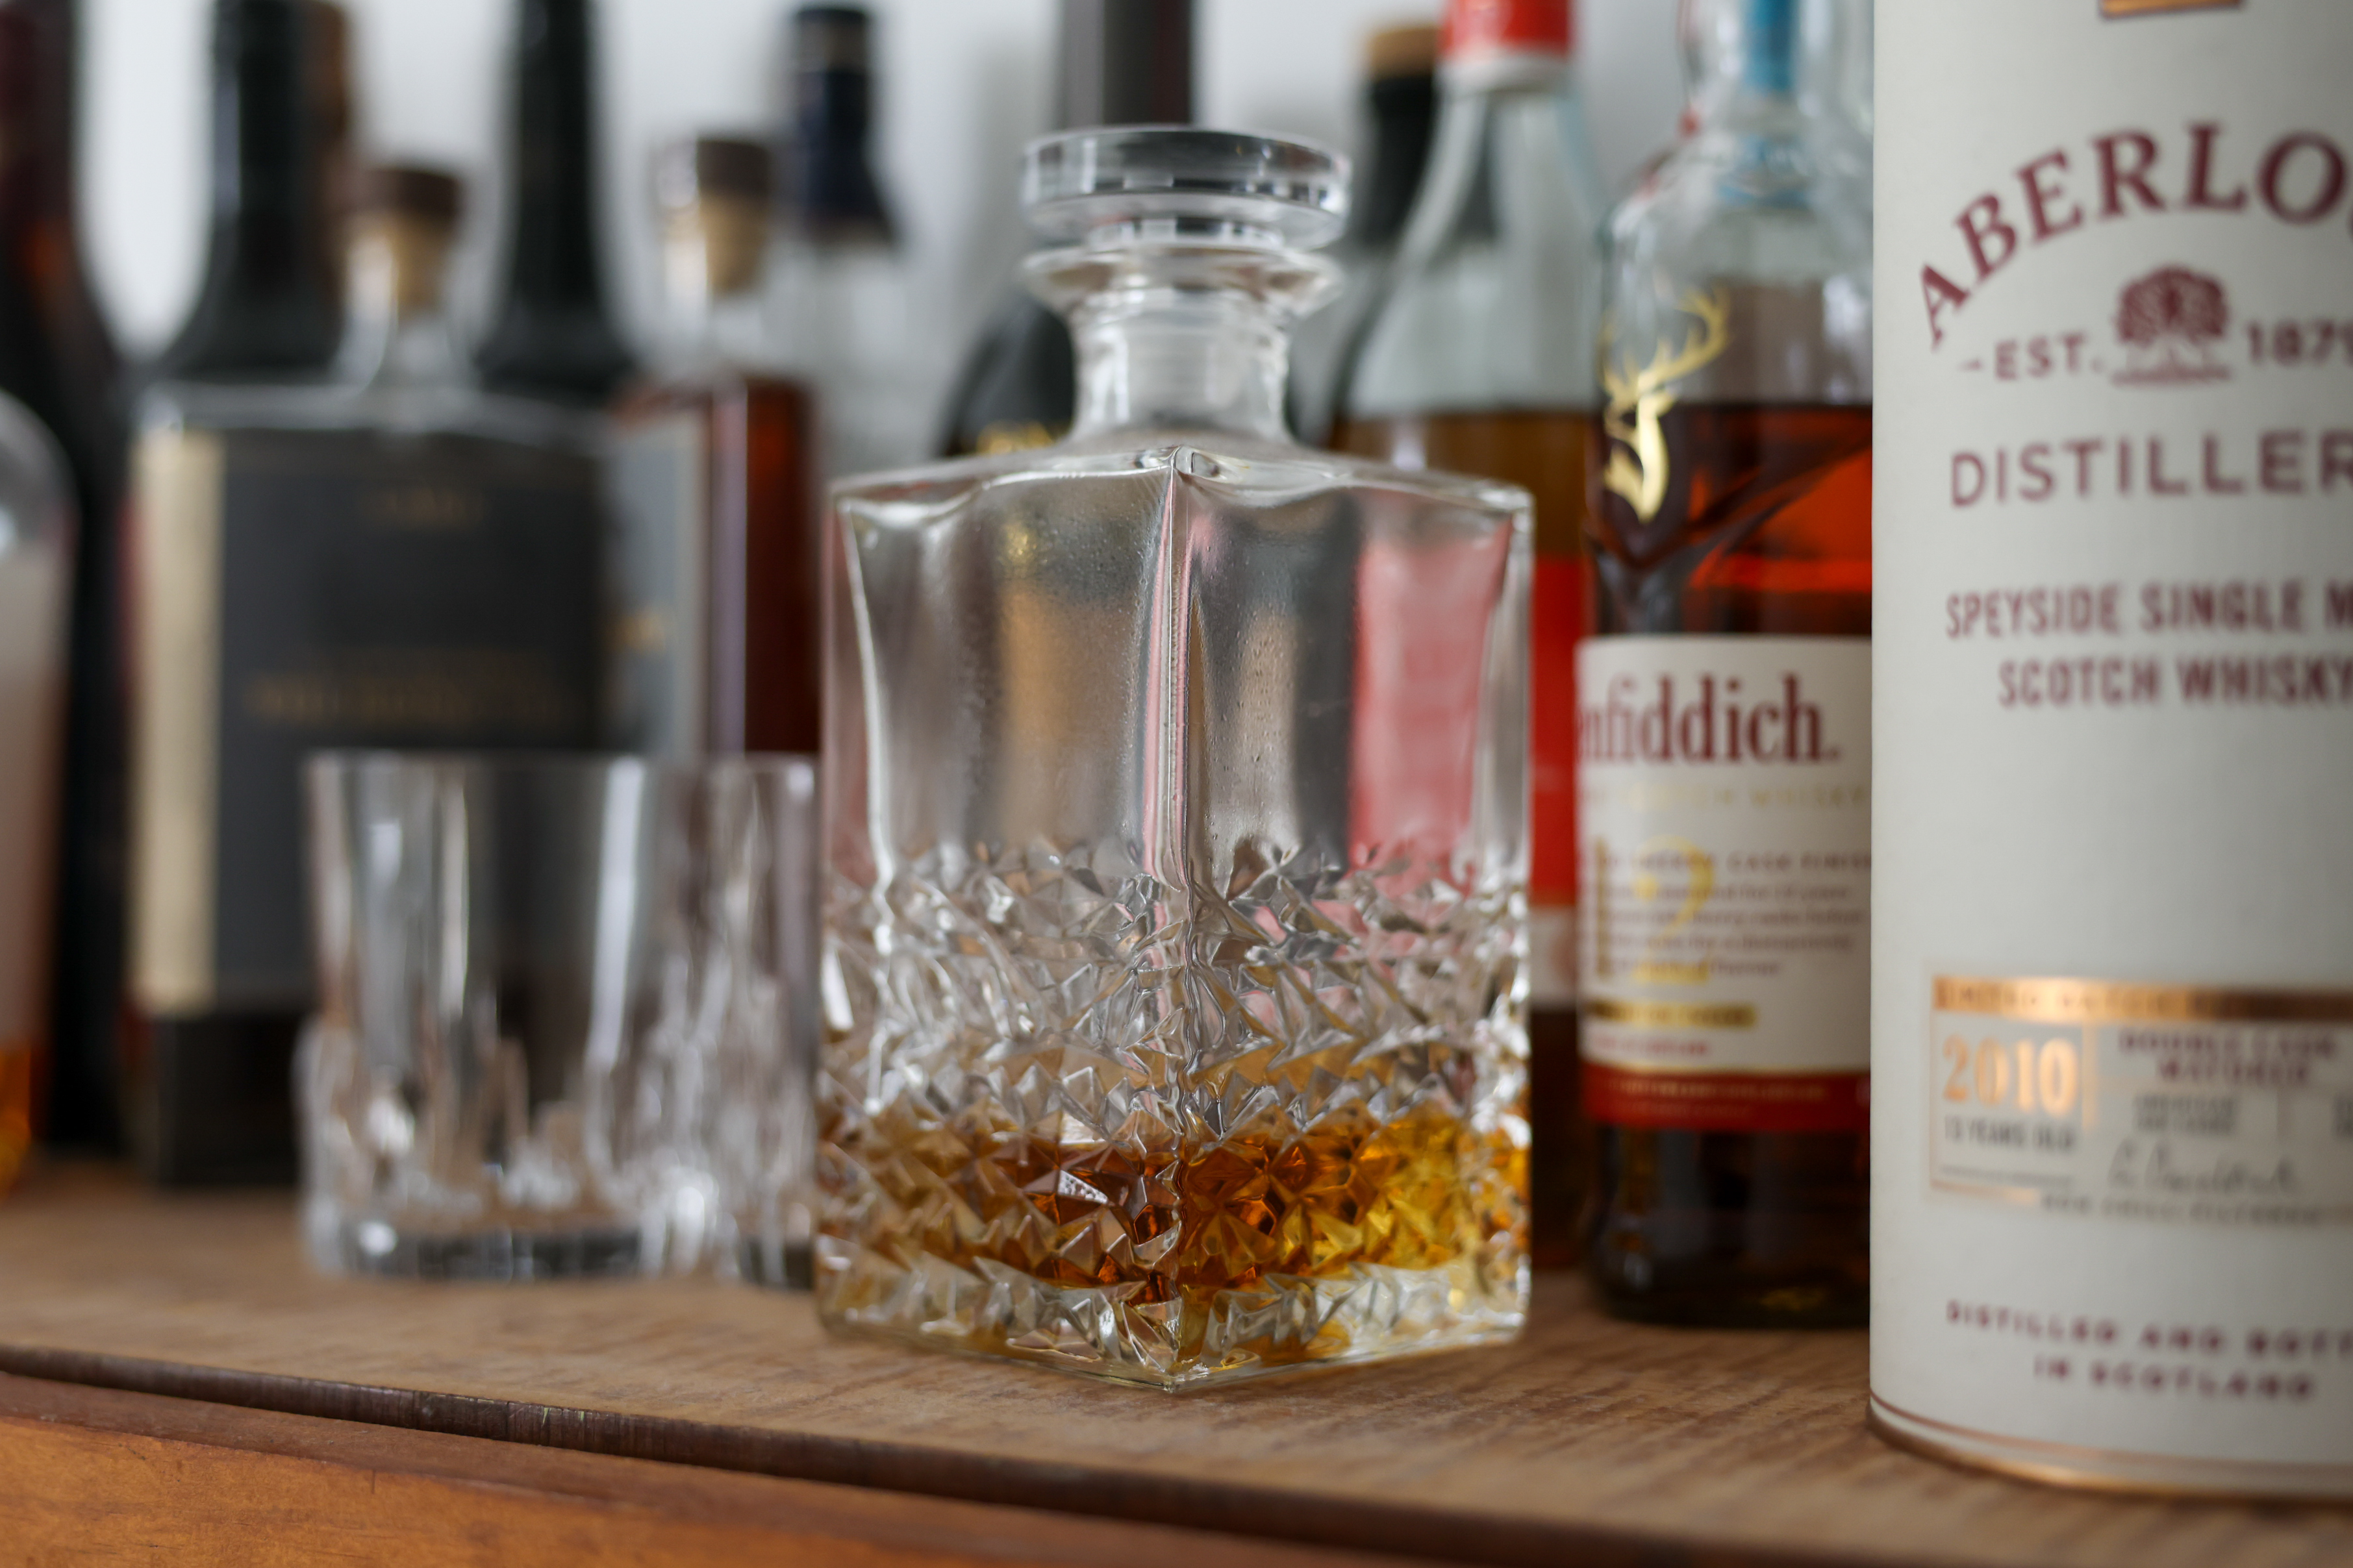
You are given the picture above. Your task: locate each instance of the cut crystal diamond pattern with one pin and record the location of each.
(1164, 1132)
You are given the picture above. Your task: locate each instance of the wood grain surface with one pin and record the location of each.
(91, 1476)
(1589, 1441)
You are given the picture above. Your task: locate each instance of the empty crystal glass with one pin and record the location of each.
(1176, 807)
(566, 1017)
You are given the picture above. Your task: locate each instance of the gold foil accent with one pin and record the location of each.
(731, 232)
(2105, 1469)
(2150, 7)
(175, 730)
(404, 258)
(1012, 435)
(2051, 1000)
(1672, 1015)
(1639, 399)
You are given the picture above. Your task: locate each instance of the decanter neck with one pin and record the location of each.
(1182, 333)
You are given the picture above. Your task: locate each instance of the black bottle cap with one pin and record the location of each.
(1126, 62)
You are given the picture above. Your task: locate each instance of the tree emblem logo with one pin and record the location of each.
(2170, 321)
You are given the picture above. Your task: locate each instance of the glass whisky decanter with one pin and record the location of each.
(1176, 936)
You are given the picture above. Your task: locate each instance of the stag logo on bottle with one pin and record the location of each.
(2170, 322)
(2151, 7)
(1711, 719)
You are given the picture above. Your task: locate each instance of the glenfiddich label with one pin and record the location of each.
(302, 590)
(2113, 999)
(1725, 877)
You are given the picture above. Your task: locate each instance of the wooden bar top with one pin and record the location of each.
(1588, 1441)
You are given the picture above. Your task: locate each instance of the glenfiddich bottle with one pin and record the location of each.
(1124, 62)
(1724, 697)
(1477, 357)
(2112, 1031)
(551, 335)
(715, 485)
(57, 360)
(384, 559)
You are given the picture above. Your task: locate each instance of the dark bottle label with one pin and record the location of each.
(307, 590)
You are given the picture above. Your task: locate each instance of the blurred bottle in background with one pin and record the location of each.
(842, 284)
(267, 303)
(1401, 64)
(205, 1073)
(388, 559)
(36, 571)
(1477, 357)
(1124, 62)
(1730, 527)
(715, 488)
(57, 359)
(550, 334)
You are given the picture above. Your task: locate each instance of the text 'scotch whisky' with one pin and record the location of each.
(1724, 697)
(1175, 962)
(2112, 1025)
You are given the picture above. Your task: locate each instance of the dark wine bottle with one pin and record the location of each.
(266, 305)
(207, 1090)
(553, 336)
(1124, 62)
(57, 359)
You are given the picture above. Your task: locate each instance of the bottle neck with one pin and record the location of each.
(834, 191)
(713, 311)
(1744, 66)
(1503, 153)
(266, 302)
(400, 333)
(1403, 110)
(1176, 336)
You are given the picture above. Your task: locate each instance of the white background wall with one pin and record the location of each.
(964, 83)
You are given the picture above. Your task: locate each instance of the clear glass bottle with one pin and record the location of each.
(842, 282)
(36, 558)
(714, 469)
(1177, 797)
(383, 558)
(1477, 357)
(1725, 859)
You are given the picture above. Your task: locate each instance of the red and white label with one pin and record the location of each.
(1725, 880)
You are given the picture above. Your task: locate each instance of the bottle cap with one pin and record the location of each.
(411, 191)
(691, 168)
(1401, 52)
(1480, 29)
(1203, 185)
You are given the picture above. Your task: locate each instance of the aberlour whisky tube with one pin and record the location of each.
(2112, 950)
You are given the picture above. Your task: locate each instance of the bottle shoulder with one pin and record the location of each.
(1243, 472)
(325, 406)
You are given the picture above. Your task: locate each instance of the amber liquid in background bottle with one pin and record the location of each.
(1766, 530)
(1545, 453)
(57, 359)
(759, 651)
